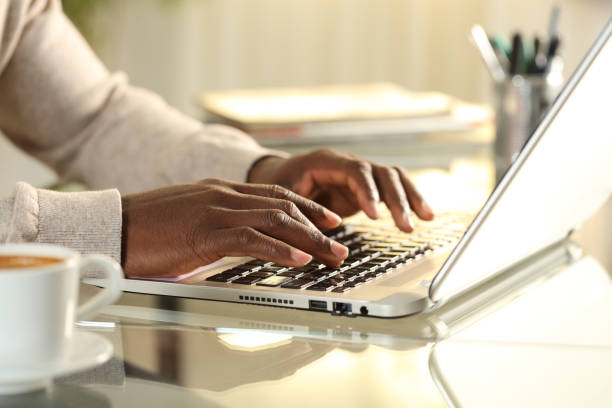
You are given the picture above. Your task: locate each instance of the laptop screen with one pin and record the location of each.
(559, 179)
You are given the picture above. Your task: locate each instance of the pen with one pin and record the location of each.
(553, 33)
(501, 42)
(488, 53)
(552, 51)
(517, 55)
(540, 61)
(501, 53)
(553, 26)
(532, 66)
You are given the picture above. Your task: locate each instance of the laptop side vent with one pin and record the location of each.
(260, 299)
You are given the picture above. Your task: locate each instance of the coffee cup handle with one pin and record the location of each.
(112, 288)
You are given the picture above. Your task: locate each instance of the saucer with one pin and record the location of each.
(85, 350)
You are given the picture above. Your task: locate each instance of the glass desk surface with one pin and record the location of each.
(551, 346)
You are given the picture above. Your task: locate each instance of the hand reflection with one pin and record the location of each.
(218, 362)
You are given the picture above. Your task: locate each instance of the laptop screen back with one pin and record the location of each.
(559, 179)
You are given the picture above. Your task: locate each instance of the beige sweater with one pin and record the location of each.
(59, 104)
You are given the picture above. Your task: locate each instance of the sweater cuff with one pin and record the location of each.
(256, 158)
(88, 222)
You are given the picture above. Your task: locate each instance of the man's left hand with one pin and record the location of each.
(345, 184)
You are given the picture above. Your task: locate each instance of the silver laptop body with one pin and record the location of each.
(559, 179)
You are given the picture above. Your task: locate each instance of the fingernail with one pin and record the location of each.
(300, 257)
(374, 209)
(426, 207)
(333, 216)
(339, 250)
(408, 219)
(375, 196)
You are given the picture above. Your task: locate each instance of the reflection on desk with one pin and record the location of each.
(527, 353)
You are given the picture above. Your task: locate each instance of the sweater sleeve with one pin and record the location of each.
(89, 222)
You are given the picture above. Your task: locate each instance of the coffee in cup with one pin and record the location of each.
(25, 261)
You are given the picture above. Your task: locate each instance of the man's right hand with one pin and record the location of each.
(173, 230)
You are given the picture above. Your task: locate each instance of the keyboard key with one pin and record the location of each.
(401, 254)
(328, 270)
(371, 265)
(273, 280)
(377, 262)
(395, 264)
(292, 273)
(236, 272)
(335, 280)
(312, 276)
(353, 274)
(390, 258)
(327, 284)
(373, 239)
(247, 280)
(374, 274)
(354, 260)
(333, 232)
(323, 286)
(355, 282)
(298, 284)
(341, 289)
(360, 270)
(307, 268)
(339, 232)
(341, 276)
(261, 274)
(246, 267)
(258, 262)
(317, 265)
(352, 238)
(372, 252)
(357, 247)
(221, 277)
(275, 269)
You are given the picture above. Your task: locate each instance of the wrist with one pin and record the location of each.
(264, 169)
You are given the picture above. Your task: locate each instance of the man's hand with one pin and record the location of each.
(173, 230)
(345, 184)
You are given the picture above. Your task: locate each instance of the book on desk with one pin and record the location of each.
(342, 113)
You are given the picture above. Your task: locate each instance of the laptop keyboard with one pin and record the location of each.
(374, 251)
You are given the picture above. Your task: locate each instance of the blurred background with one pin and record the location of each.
(180, 48)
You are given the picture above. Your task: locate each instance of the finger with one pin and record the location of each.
(361, 182)
(338, 199)
(417, 202)
(351, 173)
(245, 241)
(319, 215)
(278, 224)
(394, 196)
(255, 202)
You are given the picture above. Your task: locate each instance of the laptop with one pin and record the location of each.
(558, 180)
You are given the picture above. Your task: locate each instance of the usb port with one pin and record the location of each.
(317, 304)
(342, 308)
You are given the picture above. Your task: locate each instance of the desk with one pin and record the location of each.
(551, 346)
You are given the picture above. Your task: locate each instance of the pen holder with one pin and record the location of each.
(521, 101)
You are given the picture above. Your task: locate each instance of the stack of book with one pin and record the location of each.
(332, 114)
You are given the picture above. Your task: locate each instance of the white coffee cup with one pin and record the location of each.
(38, 304)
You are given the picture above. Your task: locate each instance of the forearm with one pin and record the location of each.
(89, 222)
(139, 143)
